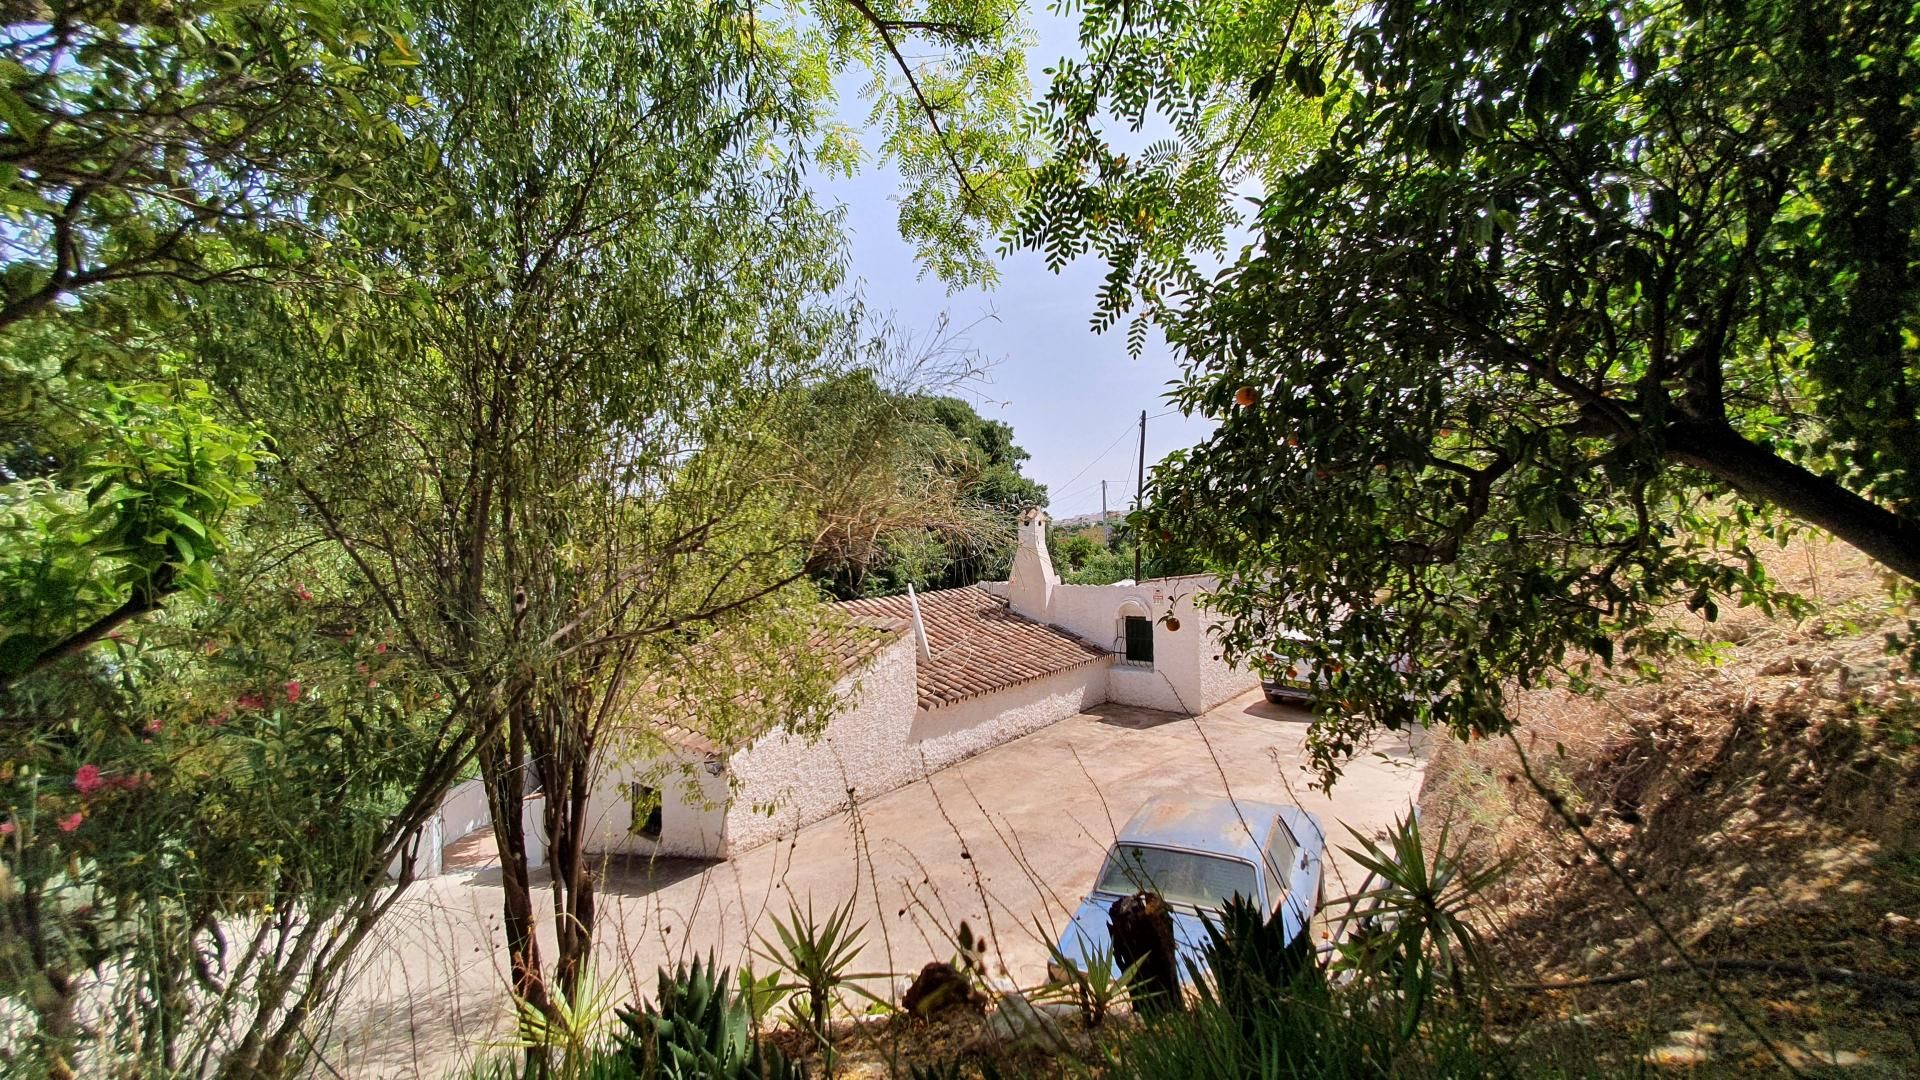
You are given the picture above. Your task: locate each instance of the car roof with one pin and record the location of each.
(1233, 827)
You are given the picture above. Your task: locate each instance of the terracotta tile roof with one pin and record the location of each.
(851, 640)
(979, 644)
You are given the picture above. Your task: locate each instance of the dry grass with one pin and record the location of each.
(1763, 805)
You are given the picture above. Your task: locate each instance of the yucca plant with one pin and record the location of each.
(762, 993)
(1092, 985)
(698, 1028)
(817, 955)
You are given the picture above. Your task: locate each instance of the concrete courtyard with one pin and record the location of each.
(1008, 841)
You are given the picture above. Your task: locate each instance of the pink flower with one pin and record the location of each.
(293, 691)
(251, 702)
(154, 725)
(86, 780)
(380, 648)
(6, 828)
(301, 593)
(72, 821)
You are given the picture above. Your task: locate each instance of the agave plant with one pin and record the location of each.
(1411, 925)
(698, 1028)
(1091, 985)
(817, 955)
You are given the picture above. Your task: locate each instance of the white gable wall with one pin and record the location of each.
(958, 731)
(1185, 676)
(693, 814)
(864, 747)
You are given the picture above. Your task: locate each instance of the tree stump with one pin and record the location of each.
(1141, 927)
(939, 986)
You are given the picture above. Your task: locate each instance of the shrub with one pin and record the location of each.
(1092, 986)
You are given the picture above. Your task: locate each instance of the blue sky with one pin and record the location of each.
(1067, 391)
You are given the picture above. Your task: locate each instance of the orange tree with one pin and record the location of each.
(1546, 314)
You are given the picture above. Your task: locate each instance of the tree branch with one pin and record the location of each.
(1760, 474)
(885, 29)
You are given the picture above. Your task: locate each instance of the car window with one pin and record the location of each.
(1280, 856)
(1180, 877)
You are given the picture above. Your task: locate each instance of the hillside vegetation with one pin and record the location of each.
(1761, 806)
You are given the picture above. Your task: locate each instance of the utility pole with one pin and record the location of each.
(1139, 491)
(1106, 530)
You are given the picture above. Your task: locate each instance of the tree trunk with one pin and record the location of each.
(1763, 476)
(1141, 927)
(505, 771)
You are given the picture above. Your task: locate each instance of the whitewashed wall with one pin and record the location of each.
(785, 781)
(462, 811)
(465, 810)
(426, 848)
(693, 811)
(943, 736)
(1185, 676)
(1219, 680)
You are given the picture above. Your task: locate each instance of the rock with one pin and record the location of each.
(1015, 1022)
(1900, 927)
(939, 987)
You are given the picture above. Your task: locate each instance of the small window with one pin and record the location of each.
(646, 810)
(1139, 637)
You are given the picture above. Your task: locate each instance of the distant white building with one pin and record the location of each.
(928, 681)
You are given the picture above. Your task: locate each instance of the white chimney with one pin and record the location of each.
(1030, 591)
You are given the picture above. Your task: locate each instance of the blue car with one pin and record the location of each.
(1197, 852)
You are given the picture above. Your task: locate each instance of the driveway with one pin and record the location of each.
(1007, 841)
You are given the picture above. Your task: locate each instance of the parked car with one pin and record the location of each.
(1287, 680)
(1293, 682)
(1197, 852)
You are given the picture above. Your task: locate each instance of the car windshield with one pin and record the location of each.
(1180, 877)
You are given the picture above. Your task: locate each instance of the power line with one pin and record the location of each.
(1068, 491)
(1124, 432)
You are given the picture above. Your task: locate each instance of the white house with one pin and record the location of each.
(927, 681)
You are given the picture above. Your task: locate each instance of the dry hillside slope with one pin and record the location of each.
(1764, 810)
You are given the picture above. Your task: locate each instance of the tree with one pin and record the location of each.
(1574, 304)
(567, 434)
(143, 150)
(163, 142)
(504, 335)
(951, 445)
